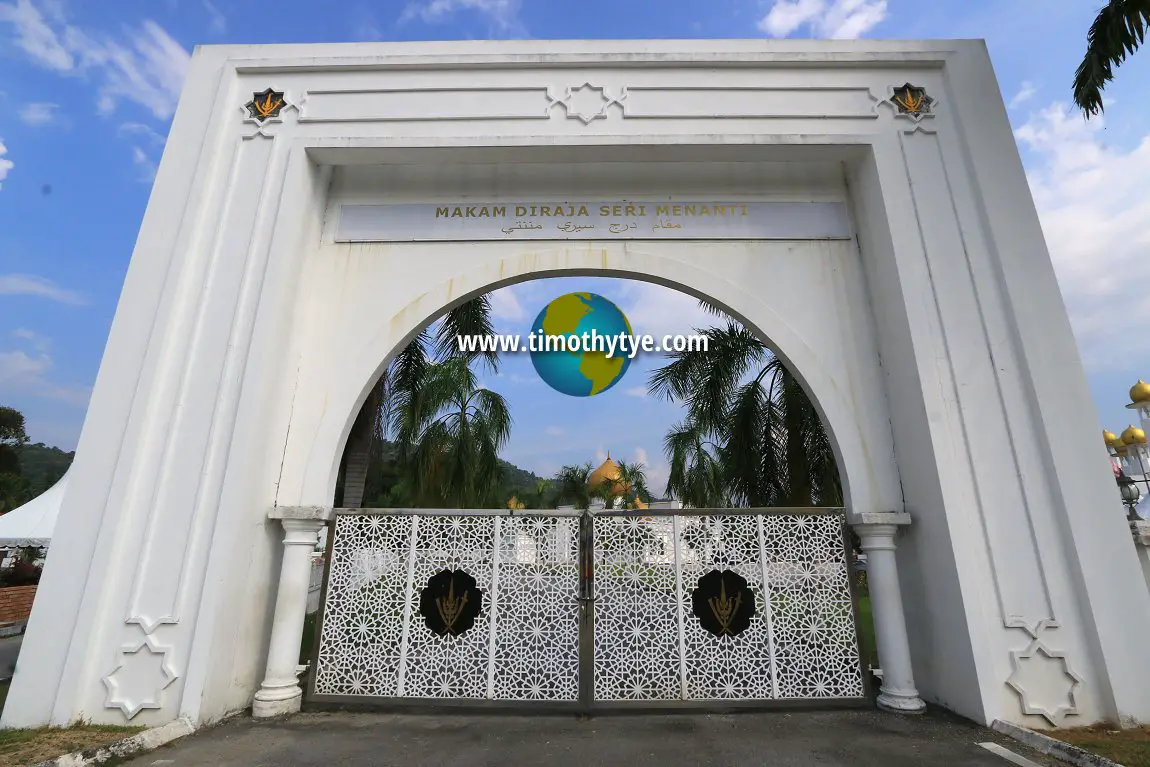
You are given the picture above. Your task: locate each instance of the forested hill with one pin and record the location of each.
(385, 488)
(43, 466)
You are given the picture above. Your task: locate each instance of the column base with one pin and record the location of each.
(900, 702)
(277, 702)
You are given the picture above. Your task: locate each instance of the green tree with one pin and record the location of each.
(572, 484)
(633, 478)
(396, 390)
(449, 433)
(752, 437)
(13, 486)
(1117, 31)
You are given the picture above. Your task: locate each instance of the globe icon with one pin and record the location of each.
(580, 373)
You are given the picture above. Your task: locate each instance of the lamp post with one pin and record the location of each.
(1130, 493)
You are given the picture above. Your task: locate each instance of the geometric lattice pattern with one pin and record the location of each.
(523, 644)
(801, 643)
(648, 643)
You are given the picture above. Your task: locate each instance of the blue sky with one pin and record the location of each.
(87, 90)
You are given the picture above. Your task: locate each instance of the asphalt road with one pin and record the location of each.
(827, 739)
(9, 651)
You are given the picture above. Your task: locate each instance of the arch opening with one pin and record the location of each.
(766, 361)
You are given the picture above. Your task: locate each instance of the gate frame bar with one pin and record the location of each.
(586, 704)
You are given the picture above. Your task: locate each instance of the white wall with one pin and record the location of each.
(245, 341)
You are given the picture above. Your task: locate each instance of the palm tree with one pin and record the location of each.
(1117, 31)
(536, 497)
(402, 378)
(752, 436)
(449, 434)
(571, 483)
(633, 477)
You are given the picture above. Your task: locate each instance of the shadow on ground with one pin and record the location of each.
(801, 739)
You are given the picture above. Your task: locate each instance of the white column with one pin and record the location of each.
(280, 692)
(876, 532)
(1141, 532)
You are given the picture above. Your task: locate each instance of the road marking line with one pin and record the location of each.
(1009, 755)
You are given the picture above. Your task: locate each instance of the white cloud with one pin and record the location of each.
(32, 285)
(503, 14)
(38, 113)
(840, 19)
(39, 342)
(217, 22)
(1026, 91)
(658, 311)
(146, 164)
(17, 365)
(142, 131)
(147, 66)
(5, 164)
(21, 373)
(636, 391)
(1094, 202)
(35, 37)
(505, 305)
(554, 431)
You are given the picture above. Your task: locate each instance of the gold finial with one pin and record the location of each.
(1132, 435)
(1140, 392)
(1110, 438)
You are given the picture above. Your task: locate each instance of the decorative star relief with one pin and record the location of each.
(266, 109)
(140, 678)
(587, 102)
(1046, 684)
(909, 102)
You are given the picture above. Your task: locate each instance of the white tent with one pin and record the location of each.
(32, 523)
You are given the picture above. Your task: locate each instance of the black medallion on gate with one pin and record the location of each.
(450, 602)
(266, 105)
(724, 603)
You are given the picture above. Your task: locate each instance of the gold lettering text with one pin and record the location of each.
(500, 211)
(662, 210)
(442, 212)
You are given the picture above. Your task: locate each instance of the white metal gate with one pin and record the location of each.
(578, 609)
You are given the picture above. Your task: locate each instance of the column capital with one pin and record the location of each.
(301, 532)
(320, 513)
(898, 518)
(1141, 531)
(877, 529)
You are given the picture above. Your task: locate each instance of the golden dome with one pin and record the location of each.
(515, 504)
(1140, 392)
(1133, 436)
(608, 471)
(1110, 438)
(639, 504)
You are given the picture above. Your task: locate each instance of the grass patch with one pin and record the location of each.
(1127, 747)
(23, 747)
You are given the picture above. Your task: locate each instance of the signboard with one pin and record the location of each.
(649, 219)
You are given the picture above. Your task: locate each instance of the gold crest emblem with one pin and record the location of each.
(266, 105)
(912, 100)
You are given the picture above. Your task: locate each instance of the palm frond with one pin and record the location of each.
(471, 318)
(1118, 30)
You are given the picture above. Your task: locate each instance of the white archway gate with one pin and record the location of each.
(932, 338)
(589, 609)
